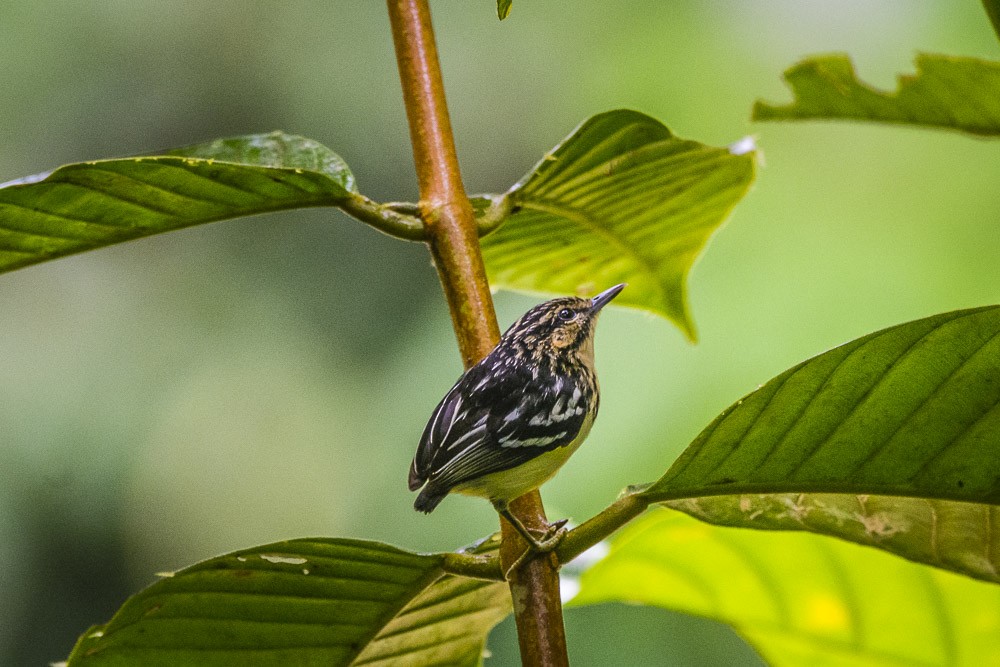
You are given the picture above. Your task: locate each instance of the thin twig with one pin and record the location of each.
(600, 526)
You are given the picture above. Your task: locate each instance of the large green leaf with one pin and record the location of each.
(801, 599)
(962, 537)
(620, 199)
(946, 92)
(913, 410)
(93, 204)
(303, 602)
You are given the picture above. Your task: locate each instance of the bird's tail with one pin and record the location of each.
(428, 499)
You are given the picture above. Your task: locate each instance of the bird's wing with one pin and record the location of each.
(436, 433)
(485, 427)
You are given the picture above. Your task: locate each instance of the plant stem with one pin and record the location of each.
(600, 526)
(453, 239)
(445, 208)
(578, 540)
(384, 218)
(473, 565)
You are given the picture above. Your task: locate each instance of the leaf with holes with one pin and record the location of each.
(89, 205)
(961, 537)
(801, 599)
(310, 601)
(619, 200)
(946, 92)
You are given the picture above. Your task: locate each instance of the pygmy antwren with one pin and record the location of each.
(514, 418)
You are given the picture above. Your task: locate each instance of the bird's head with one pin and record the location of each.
(560, 327)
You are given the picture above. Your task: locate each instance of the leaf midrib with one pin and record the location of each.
(584, 220)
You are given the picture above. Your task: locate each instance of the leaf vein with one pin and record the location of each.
(933, 393)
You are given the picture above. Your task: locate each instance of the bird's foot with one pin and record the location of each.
(549, 540)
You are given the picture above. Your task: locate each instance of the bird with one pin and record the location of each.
(513, 419)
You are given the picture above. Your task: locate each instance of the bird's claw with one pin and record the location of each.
(553, 535)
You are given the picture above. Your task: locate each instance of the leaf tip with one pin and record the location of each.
(747, 144)
(678, 311)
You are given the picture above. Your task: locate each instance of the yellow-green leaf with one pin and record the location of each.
(619, 200)
(801, 599)
(946, 92)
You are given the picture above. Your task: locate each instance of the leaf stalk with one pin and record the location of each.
(384, 217)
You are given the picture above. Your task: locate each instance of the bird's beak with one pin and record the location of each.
(604, 297)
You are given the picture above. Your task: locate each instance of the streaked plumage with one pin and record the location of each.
(514, 418)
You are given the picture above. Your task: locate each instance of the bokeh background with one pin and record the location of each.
(171, 399)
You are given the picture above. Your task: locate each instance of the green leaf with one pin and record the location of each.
(303, 602)
(619, 200)
(801, 599)
(913, 410)
(946, 92)
(961, 537)
(503, 8)
(992, 8)
(89, 205)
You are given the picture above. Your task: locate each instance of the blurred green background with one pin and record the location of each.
(170, 399)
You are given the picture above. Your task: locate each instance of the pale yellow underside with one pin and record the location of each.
(509, 484)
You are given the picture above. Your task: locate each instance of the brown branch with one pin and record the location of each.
(454, 244)
(445, 208)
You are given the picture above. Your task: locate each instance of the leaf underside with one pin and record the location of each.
(619, 200)
(801, 599)
(946, 92)
(961, 537)
(303, 602)
(94, 204)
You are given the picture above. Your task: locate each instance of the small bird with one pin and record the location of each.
(514, 418)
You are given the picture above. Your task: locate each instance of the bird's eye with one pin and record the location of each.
(565, 314)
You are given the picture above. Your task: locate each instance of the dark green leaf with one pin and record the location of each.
(801, 599)
(913, 410)
(503, 8)
(993, 11)
(962, 537)
(303, 602)
(946, 92)
(619, 200)
(93, 204)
